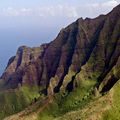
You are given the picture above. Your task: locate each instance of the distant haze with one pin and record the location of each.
(31, 23)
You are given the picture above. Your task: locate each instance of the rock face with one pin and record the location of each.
(24, 68)
(86, 49)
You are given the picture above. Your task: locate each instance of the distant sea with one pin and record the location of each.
(11, 39)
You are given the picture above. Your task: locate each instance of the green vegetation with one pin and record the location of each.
(114, 112)
(13, 101)
(30, 93)
(78, 98)
(64, 102)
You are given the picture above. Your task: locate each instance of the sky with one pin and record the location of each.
(33, 22)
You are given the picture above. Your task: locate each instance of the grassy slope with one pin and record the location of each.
(76, 106)
(91, 111)
(14, 101)
(114, 112)
(79, 105)
(105, 107)
(59, 105)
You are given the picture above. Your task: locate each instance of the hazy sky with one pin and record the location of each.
(43, 8)
(32, 22)
(31, 15)
(41, 20)
(51, 12)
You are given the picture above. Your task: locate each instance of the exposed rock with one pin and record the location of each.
(86, 49)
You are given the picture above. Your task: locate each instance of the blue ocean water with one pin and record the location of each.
(11, 39)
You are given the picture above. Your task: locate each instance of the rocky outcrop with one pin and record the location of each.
(86, 49)
(23, 68)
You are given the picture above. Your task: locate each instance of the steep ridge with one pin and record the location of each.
(85, 57)
(69, 51)
(21, 67)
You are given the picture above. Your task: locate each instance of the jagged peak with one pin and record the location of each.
(117, 7)
(115, 11)
(22, 47)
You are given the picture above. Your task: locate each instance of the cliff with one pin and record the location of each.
(84, 54)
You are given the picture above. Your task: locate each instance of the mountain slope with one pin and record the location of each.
(80, 65)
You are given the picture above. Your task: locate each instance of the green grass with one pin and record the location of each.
(114, 112)
(16, 100)
(51, 112)
(30, 93)
(64, 102)
(78, 97)
(13, 101)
